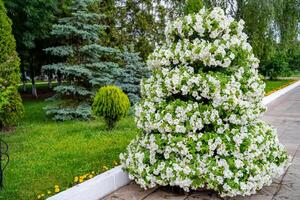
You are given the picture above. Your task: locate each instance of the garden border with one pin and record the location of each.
(268, 99)
(95, 188)
(109, 181)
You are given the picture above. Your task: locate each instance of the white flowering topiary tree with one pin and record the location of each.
(200, 112)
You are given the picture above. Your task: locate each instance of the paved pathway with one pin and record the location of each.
(284, 114)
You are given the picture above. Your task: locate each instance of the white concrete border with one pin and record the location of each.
(95, 188)
(109, 181)
(268, 99)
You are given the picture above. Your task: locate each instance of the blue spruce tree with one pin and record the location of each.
(133, 70)
(85, 64)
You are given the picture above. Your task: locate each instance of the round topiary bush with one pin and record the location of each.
(200, 110)
(111, 103)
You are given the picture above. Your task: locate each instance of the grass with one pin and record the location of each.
(38, 85)
(272, 85)
(44, 153)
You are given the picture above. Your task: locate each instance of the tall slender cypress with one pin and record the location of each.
(11, 107)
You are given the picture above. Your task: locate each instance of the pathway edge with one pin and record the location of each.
(275, 95)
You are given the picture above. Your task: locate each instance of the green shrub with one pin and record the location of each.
(192, 6)
(111, 103)
(276, 66)
(11, 107)
(294, 58)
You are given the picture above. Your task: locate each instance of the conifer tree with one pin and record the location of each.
(133, 70)
(200, 112)
(85, 64)
(11, 107)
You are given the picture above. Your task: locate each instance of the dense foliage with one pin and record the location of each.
(11, 107)
(85, 64)
(32, 21)
(272, 26)
(112, 104)
(275, 66)
(133, 70)
(200, 110)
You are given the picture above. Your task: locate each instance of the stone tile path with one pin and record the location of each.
(284, 114)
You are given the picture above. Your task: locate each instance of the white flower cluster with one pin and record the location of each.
(239, 162)
(199, 112)
(228, 103)
(207, 37)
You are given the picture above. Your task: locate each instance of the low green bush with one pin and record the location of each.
(112, 104)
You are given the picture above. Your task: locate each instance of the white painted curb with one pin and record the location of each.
(95, 188)
(268, 99)
(109, 181)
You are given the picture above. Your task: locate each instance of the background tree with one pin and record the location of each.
(11, 107)
(85, 65)
(258, 17)
(193, 6)
(137, 25)
(133, 70)
(137, 21)
(32, 22)
(287, 19)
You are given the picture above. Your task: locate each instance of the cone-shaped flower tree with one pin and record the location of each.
(200, 112)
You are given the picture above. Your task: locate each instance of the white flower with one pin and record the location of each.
(238, 163)
(180, 129)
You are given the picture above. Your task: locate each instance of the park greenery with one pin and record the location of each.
(70, 69)
(45, 153)
(11, 108)
(112, 104)
(272, 27)
(84, 64)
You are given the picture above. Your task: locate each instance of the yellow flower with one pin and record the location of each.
(91, 176)
(49, 192)
(93, 172)
(56, 189)
(39, 196)
(56, 186)
(116, 163)
(76, 179)
(42, 195)
(105, 168)
(80, 180)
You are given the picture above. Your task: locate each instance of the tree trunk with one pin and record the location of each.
(58, 78)
(23, 78)
(49, 80)
(33, 90)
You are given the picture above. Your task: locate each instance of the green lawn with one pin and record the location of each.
(38, 85)
(44, 153)
(272, 85)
